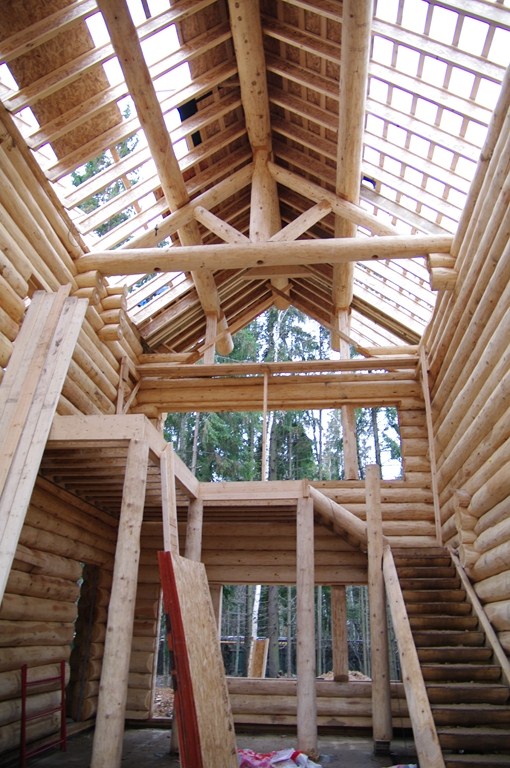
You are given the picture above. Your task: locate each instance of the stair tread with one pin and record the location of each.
(477, 760)
(433, 608)
(463, 622)
(469, 730)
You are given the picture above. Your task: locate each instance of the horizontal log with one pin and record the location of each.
(494, 588)
(491, 562)
(143, 644)
(284, 575)
(23, 607)
(36, 729)
(498, 614)
(141, 662)
(289, 721)
(148, 367)
(32, 632)
(139, 680)
(283, 394)
(61, 545)
(49, 564)
(127, 261)
(10, 711)
(138, 699)
(51, 587)
(10, 682)
(13, 658)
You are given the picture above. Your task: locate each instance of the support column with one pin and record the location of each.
(351, 467)
(169, 501)
(339, 634)
(193, 549)
(111, 708)
(381, 694)
(305, 616)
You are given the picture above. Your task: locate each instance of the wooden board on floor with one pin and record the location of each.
(204, 717)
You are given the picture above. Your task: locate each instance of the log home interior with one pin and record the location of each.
(350, 159)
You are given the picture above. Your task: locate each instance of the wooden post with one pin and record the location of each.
(351, 467)
(193, 550)
(168, 500)
(216, 591)
(339, 634)
(305, 616)
(381, 694)
(211, 324)
(107, 745)
(264, 431)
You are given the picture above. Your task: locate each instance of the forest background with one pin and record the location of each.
(228, 446)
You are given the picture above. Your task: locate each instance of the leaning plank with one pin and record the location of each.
(39, 387)
(197, 653)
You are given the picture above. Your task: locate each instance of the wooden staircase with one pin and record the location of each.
(470, 704)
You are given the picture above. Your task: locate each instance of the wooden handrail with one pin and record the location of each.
(340, 518)
(424, 730)
(490, 634)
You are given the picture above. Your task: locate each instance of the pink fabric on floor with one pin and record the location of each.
(282, 758)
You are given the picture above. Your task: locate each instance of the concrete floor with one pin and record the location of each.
(149, 748)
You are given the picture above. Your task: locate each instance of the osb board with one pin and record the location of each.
(49, 56)
(211, 700)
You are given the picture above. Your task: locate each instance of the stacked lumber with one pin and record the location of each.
(469, 364)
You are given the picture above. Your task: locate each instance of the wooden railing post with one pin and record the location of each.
(381, 694)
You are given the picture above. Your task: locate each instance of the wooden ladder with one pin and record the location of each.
(470, 704)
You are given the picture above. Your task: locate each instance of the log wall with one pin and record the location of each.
(39, 610)
(339, 705)
(469, 362)
(38, 248)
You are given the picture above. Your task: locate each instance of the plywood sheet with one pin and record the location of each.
(201, 691)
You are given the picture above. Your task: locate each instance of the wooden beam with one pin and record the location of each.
(343, 208)
(213, 223)
(249, 49)
(158, 365)
(109, 730)
(239, 256)
(303, 223)
(339, 518)
(127, 46)
(356, 41)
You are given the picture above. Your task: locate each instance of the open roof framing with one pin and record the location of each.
(318, 153)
